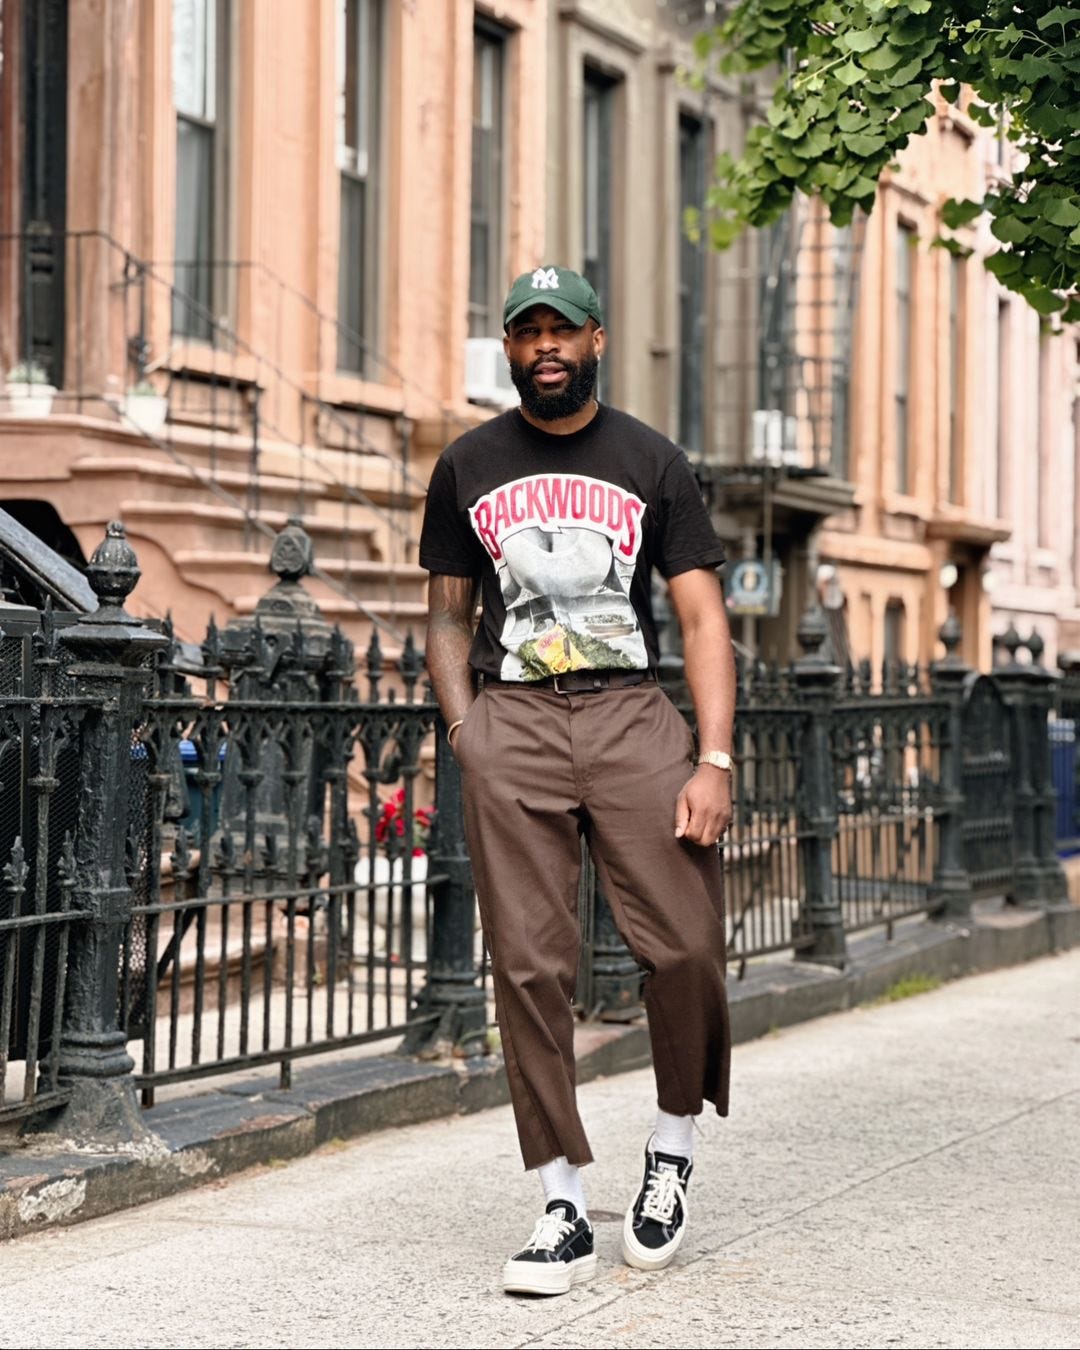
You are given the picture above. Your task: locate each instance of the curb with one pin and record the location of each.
(221, 1132)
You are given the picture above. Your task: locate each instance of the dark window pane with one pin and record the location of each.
(351, 275)
(598, 153)
(486, 200)
(956, 374)
(350, 54)
(1002, 439)
(194, 294)
(359, 55)
(691, 286)
(778, 373)
(905, 244)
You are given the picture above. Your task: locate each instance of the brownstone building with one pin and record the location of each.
(258, 249)
(238, 241)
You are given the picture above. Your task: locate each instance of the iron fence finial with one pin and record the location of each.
(1011, 642)
(950, 634)
(113, 573)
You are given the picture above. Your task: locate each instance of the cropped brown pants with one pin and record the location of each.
(539, 769)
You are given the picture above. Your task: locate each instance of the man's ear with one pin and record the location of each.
(506, 345)
(599, 338)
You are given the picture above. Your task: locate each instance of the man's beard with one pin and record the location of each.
(568, 399)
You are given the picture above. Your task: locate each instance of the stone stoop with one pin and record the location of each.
(200, 555)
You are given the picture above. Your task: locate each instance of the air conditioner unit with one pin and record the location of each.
(487, 375)
(775, 437)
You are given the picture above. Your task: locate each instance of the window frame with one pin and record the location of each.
(904, 300)
(198, 299)
(691, 286)
(1002, 430)
(957, 328)
(485, 301)
(359, 168)
(599, 91)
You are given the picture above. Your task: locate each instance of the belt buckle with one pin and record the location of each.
(597, 684)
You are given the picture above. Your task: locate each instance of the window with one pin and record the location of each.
(905, 250)
(1043, 434)
(598, 151)
(488, 188)
(1001, 447)
(776, 345)
(894, 636)
(692, 152)
(358, 64)
(957, 278)
(200, 95)
(844, 261)
(1075, 516)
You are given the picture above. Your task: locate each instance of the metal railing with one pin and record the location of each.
(1065, 757)
(886, 745)
(41, 727)
(213, 863)
(266, 925)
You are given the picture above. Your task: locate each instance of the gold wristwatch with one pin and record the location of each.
(719, 759)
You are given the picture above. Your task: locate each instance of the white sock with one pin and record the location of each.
(562, 1181)
(673, 1134)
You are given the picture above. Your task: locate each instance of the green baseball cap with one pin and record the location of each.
(565, 291)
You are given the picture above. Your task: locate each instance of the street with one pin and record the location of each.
(906, 1174)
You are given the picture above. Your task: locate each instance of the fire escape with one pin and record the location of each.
(782, 357)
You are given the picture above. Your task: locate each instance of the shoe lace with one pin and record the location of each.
(549, 1232)
(662, 1189)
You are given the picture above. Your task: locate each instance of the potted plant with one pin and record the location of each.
(145, 408)
(386, 894)
(29, 393)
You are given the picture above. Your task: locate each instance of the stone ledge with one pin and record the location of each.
(213, 1134)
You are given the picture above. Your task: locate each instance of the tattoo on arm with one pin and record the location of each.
(451, 623)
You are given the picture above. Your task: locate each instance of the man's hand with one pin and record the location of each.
(703, 807)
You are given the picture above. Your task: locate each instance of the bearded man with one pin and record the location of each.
(555, 514)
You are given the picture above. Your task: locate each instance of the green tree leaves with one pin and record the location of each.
(858, 75)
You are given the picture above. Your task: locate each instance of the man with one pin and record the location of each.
(557, 512)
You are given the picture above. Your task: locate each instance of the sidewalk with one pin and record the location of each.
(903, 1174)
(206, 1130)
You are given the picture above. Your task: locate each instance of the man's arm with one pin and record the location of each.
(703, 809)
(451, 611)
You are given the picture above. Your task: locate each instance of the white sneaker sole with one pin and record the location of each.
(648, 1258)
(555, 1277)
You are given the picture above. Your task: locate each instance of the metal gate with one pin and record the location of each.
(988, 789)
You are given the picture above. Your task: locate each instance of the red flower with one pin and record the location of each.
(392, 816)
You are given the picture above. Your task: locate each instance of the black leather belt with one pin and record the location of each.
(577, 681)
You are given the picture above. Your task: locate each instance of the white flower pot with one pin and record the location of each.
(30, 400)
(387, 900)
(146, 412)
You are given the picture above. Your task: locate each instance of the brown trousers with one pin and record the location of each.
(538, 770)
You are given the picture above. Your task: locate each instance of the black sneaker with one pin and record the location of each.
(656, 1221)
(559, 1254)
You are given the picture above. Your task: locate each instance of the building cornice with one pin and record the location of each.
(618, 23)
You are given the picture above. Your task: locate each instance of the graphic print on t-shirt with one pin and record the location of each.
(564, 548)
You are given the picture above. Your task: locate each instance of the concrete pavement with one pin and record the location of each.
(898, 1175)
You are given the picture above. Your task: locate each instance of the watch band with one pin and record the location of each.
(719, 759)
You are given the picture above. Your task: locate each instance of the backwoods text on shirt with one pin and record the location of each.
(558, 501)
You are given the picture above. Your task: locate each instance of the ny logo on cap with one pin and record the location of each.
(545, 279)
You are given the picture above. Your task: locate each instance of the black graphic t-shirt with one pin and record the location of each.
(563, 532)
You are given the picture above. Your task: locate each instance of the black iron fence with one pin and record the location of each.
(1065, 758)
(228, 858)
